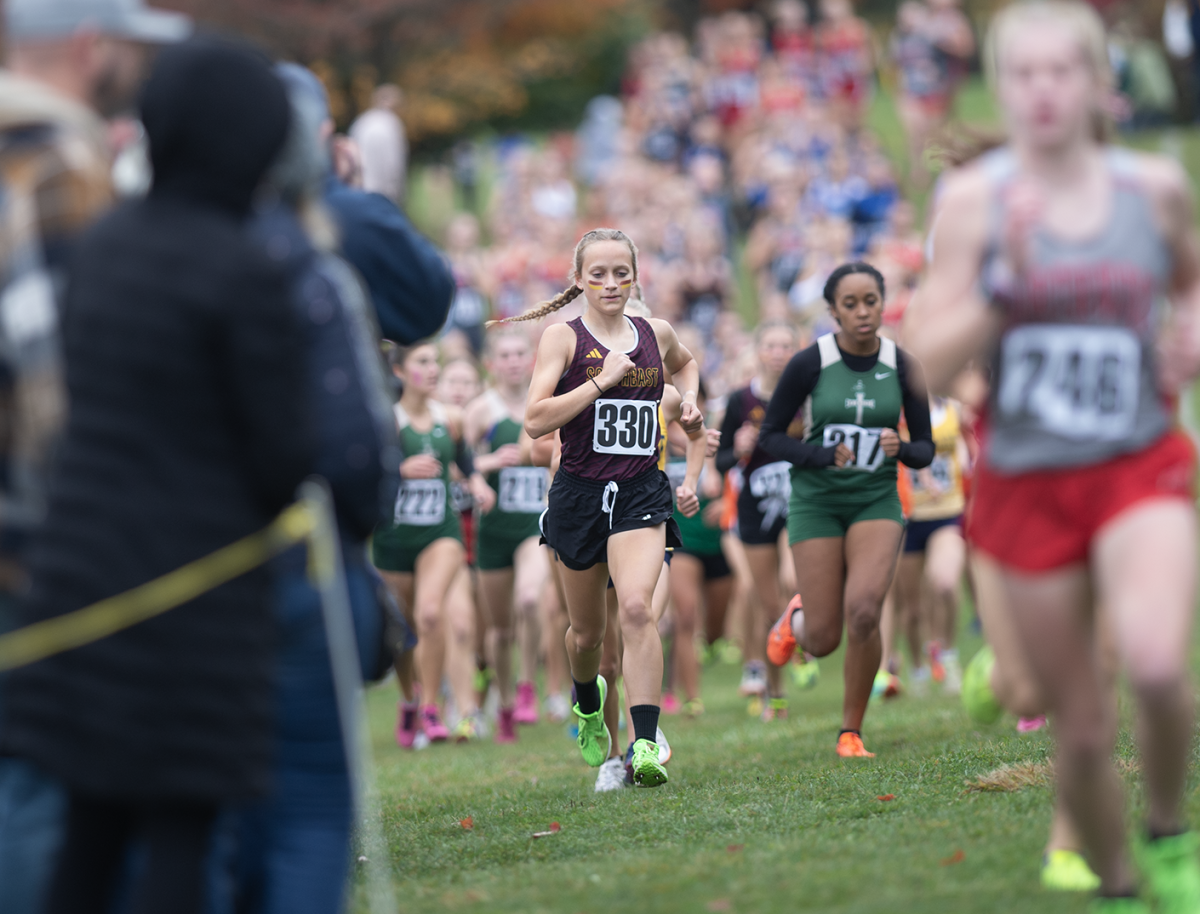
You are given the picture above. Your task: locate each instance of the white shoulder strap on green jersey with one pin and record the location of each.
(437, 412)
(499, 409)
(887, 352)
(830, 354)
(401, 416)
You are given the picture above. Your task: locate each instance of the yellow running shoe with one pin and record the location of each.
(1068, 871)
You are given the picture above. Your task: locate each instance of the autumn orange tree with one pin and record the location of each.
(462, 63)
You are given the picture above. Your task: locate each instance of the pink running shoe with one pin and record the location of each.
(670, 704)
(1031, 724)
(526, 710)
(406, 725)
(506, 726)
(431, 721)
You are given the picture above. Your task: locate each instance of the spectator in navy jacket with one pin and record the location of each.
(410, 282)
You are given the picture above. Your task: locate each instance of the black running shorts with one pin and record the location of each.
(715, 564)
(757, 529)
(583, 513)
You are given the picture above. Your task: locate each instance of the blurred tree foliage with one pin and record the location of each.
(471, 64)
(463, 64)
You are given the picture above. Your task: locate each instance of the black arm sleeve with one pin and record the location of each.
(797, 382)
(465, 458)
(918, 451)
(734, 417)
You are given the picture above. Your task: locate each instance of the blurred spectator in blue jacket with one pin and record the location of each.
(410, 282)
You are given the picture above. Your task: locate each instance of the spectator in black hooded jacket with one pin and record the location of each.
(187, 431)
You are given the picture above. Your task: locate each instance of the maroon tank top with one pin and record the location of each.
(616, 438)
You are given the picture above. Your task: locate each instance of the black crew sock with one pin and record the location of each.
(588, 696)
(645, 722)
(855, 732)
(1155, 834)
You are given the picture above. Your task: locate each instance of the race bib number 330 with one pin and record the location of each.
(627, 427)
(1075, 381)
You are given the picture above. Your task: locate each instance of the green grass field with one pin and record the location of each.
(757, 817)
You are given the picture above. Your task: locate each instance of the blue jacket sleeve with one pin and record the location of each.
(410, 282)
(358, 455)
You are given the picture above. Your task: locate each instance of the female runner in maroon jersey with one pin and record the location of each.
(599, 380)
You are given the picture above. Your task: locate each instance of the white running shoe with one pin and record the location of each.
(558, 708)
(953, 683)
(611, 775)
(754, 680)
(664, 748)
(919, 680)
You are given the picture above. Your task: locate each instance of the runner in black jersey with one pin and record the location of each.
(762, 512)
(599, 380)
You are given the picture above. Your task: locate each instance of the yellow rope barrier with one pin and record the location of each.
(84, 626)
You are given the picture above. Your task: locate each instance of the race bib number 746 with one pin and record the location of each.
(1076, 381)
(626, 427)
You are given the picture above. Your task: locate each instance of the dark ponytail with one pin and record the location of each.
(850, 269)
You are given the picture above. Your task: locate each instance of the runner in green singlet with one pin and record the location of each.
(844, 518)
(701, 580)
(512, 566)
(421, 551)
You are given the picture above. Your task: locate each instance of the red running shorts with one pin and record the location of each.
(1047, 519)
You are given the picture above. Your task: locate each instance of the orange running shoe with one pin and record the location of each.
(850, 745)
(781, 643)
(936, 667)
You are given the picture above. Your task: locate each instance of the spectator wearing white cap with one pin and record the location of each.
(382, 144)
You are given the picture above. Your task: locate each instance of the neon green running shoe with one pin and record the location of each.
(648, 771)
(1172, 873)
(1068, 871)
(594, 740)
(805, 671)
(729, 653)
(880, 684)
(977, 695)
(1118, 906)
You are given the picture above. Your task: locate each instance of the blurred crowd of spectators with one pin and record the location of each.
(740, 164)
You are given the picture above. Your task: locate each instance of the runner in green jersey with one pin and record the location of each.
(421, 551)
(701, 580)
(844, 518)
(512, 566)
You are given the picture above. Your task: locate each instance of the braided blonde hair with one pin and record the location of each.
(573, 289)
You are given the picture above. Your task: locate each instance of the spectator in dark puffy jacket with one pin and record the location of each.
(187, 431)
(289, 851)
